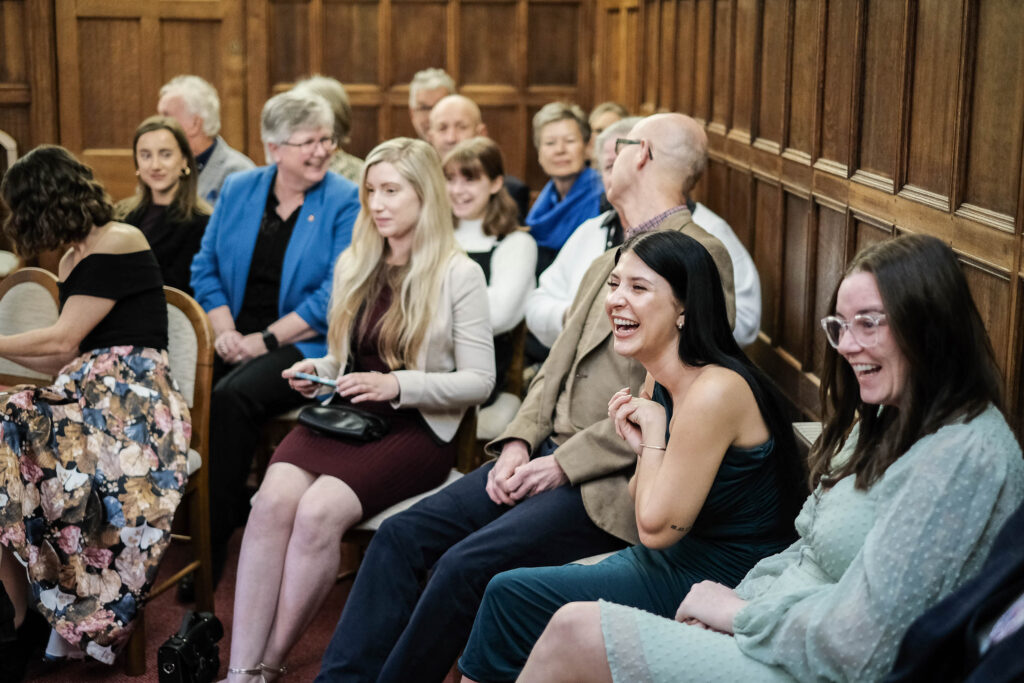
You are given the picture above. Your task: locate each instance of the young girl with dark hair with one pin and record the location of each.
(914, 475)
(717, 483)
(486, 226)
(165, 206)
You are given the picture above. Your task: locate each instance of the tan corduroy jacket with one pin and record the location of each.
(583, 363)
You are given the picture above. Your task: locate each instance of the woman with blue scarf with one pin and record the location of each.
(560, 133)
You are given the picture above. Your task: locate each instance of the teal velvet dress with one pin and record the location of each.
(742, 521)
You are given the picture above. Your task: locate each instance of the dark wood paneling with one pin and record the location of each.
(554, 31)
(482, 58)
(703, 59)
(829, 263)
(773, 77)
(868, 232)
(721, 69)
(796, 291)
(414, 48)
(933, 99)
(106, 120)
(651, 47)
(841, 30)
(737, 208)
(745, 75)
(288, 33)
(684, 69)
(348, 59)
(881, 90)
(804, 79)
(504, 125)
(991, 292)
(767, 253)
(364, 130)
(13, 62)
(996, 110)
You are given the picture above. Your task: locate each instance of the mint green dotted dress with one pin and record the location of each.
(835, 604)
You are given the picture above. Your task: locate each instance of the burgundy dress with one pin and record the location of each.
(411, 459)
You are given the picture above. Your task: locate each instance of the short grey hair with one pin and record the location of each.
(559, 111)
(333, 91)
(617, 130)
(287, 112)
(429, 79)
(200, 100)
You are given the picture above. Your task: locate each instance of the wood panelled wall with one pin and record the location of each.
(510, 56)
(837, 123)
(85, 73)
(833, 123)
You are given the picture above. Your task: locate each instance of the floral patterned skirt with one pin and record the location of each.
(91, 472)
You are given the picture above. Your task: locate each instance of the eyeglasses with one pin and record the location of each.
(622, 142)
(863, 327)
(307, 147)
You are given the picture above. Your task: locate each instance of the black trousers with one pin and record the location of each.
(244, 398)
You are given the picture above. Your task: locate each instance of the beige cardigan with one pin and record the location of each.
(455, 365)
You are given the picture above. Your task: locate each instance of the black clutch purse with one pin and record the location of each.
(191, 655)
(344, 422)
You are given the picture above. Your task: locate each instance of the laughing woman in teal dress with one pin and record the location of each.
(914, 475)
(717, 481)
(91, 468)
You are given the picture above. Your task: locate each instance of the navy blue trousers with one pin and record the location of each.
(395, 628)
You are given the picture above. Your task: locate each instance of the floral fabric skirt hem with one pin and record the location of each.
(92, 470)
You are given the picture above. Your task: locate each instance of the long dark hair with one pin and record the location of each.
(186, 199)
(951, 369)
(706, 339)
(53, 200)
(477, 157)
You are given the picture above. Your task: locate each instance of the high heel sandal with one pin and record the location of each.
(242, 671)
(271, 673)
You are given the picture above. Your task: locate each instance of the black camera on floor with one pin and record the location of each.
(191, 655)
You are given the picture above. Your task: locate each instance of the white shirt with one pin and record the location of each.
(513, 262)
(558, 284)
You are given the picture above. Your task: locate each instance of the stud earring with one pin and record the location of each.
(679, 326)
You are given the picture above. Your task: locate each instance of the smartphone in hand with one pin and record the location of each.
(315, 378)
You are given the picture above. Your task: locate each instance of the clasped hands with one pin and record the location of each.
(357, 387)
(711, 606)
(234, 347)
(515, 477)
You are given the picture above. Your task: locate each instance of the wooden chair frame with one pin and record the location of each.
(198, 488)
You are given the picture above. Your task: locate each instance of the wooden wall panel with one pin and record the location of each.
(13, 63)
(347, 59)
(996, 115)
(767, 253)
(651, 46)
(28, 111)
(703, 60)
(364, 130)
(841, 30)
(830, 258)
(795, 282)
(804, 83)
(289, 40)
(773, 78)
(991, 292)
(738, 207)
(721, 69)
(933, 105)
(482, 59)
(881, 93)
(685, 65)
(112, 56)
(554, 31)
(745, 73)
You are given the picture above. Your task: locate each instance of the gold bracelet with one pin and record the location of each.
(656, 448)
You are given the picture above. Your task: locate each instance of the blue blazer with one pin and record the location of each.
(220, 270)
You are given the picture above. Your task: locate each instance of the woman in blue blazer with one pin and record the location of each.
(263, 275)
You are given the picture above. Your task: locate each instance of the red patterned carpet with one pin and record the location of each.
(164, 617)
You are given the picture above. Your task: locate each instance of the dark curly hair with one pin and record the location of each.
(53, 201)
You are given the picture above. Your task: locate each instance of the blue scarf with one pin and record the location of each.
(552, 221)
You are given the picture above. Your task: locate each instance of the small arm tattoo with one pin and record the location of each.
(680, 529)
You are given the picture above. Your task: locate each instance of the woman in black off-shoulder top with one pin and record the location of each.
(91, 468)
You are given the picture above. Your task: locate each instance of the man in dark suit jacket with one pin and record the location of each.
(946, 642)
(456, 118)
